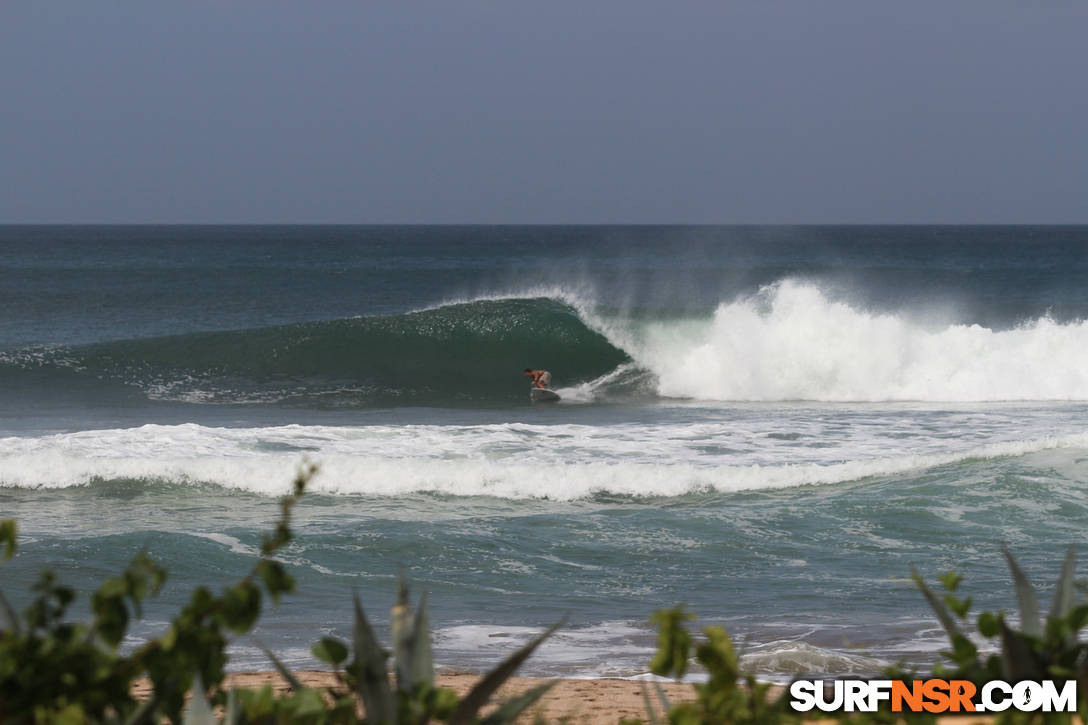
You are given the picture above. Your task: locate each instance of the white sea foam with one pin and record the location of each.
(571, 651)
(791, 342)
(519, 461)
(230, 542)
(795, 657)
(577, 652)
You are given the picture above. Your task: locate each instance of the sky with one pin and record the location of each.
(587, 111)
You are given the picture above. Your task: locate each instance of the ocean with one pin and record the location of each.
(769, 424)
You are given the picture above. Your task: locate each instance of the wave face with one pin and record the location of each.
(457, 353)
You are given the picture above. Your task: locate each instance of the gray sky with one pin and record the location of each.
(595, 111)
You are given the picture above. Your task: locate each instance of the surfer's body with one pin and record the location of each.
(539, 378)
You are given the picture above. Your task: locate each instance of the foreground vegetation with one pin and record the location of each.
(53, 670)
(56, 671)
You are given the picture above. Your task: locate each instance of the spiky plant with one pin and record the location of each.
(730, 695)
(1038, 649)
(412, 699)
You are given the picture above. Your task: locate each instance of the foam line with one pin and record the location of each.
(227, 457)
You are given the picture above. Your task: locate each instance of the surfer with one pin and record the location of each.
(540, 378)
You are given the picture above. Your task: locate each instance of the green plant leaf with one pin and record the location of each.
(276, 579)
(241, 606)
(1065, 592)
(8, 537)
(1078, 617)
(988, 625)
(373, 680)
(282, 669)
(422, 658)
(232, 712)
(717, 654)
(1025, 597)
(110, 614)
(330, 650)
(688, 713)
(1017, 657)
(11, 620)
(651, 714)
(479, 695)
(950, 579)
(964, 650)
(508, 711)
(199, 711)
(444, 701)
(662, 696)
(401, 625)
(308, 706)
(673, 642)
(959, 607)
(943, 615)
(143, 713)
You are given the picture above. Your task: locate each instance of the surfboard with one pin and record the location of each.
(542, 395)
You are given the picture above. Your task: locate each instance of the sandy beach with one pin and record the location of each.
(601, 701)
(588, 701)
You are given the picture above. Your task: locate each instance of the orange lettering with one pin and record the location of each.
(936, 691)
(912, 695)
(961, 692)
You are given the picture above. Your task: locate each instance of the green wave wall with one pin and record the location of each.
(472, 351)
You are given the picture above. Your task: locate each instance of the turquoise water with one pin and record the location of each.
(769, 424)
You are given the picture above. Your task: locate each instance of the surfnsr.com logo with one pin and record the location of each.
(933, 695)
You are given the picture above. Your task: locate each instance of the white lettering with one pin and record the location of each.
(1064, 701)
(855, 696)
(836, 700)
(878, 690)
(990, 704)
(803, 693)
(1027, 696)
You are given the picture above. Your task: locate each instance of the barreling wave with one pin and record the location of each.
(458, 353)
(788, 342)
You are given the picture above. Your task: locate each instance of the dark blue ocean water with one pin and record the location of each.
(768, 423)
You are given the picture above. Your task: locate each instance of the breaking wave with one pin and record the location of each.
(501, 461)
(789, 342)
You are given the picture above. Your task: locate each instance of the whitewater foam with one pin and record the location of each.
(570, 651)
(792, 342)
(796, 657)
(511, 461)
